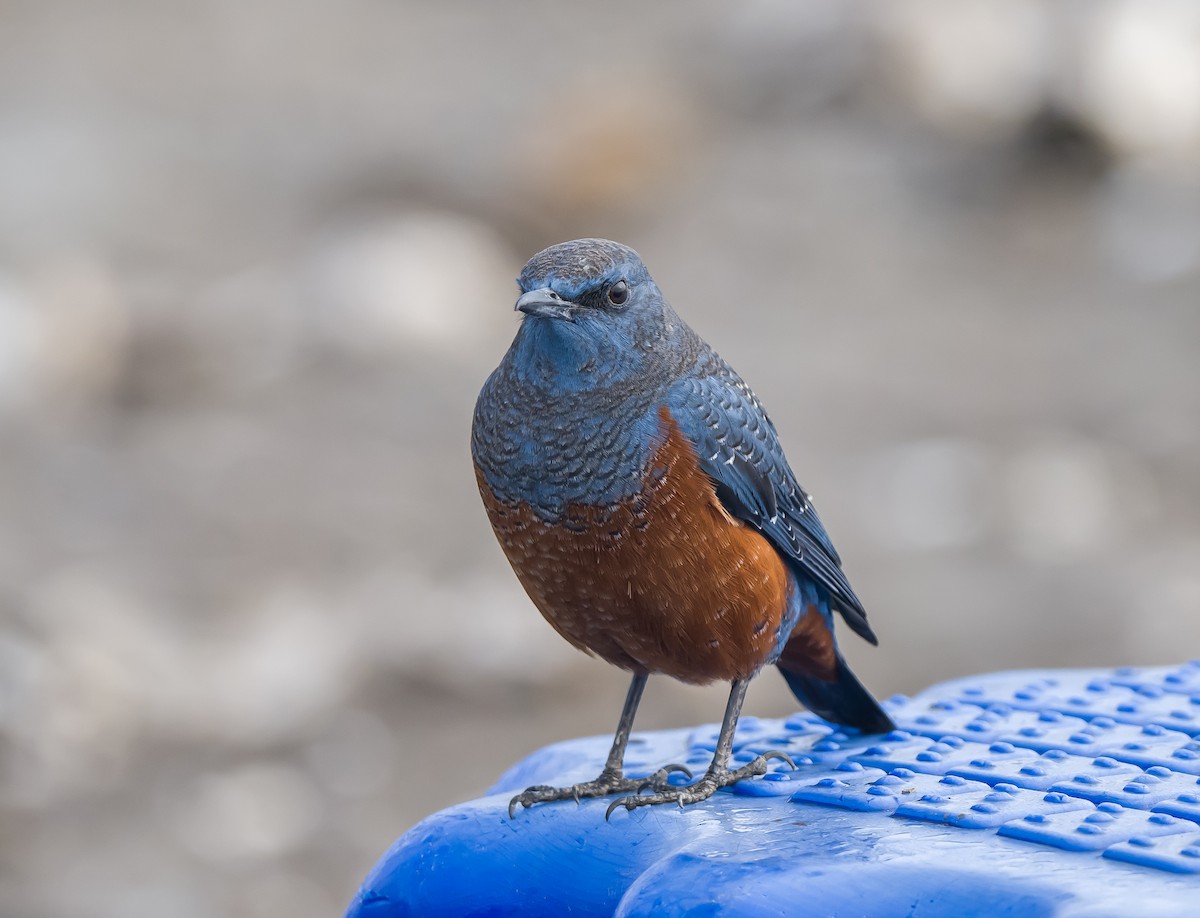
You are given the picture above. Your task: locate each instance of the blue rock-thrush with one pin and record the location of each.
(640, 493)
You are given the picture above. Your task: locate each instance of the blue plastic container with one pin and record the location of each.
(1069, 793)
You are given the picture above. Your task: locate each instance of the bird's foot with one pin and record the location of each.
(609, 782)
(702, 789)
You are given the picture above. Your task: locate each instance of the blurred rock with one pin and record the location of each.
(85, 330)
(783, 58)
(124, 873)
(1139, 77)
(416, 281)
(73, 708)
(279, 666)
(603, 144)
(975, 68)
(255, 811)
(63, 336)
(108, 670)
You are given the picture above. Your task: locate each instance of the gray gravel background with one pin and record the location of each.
(256, 259)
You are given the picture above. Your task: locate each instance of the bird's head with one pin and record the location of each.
(592, 313)
(587, 280)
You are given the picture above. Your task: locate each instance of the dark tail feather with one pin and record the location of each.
(843, 701)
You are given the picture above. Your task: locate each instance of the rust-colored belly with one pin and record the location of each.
(665, 583)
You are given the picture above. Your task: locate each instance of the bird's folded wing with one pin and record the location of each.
(739, 450)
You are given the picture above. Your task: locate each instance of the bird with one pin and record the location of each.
(641, 495)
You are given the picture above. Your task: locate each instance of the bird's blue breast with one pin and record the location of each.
(570, 419)
(551, 455)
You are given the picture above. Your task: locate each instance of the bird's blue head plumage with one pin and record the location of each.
(593, 317)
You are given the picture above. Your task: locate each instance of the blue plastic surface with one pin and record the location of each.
(1072, 794)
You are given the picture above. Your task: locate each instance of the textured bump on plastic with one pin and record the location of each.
(1176, 853)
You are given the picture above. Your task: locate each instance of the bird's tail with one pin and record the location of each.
(842, 700)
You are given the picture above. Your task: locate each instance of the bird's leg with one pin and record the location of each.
(718, 774)
(612, 779)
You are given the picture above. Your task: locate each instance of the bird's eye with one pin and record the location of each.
(618, 293)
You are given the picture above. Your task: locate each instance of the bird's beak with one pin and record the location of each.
(545, 303)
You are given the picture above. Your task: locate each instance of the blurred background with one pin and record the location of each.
(256, 259)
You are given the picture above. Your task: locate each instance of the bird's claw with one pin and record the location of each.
(776, 754)
(606, 783)
(700, 790)
(530, 796)
(688, 793)
(661, 778)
